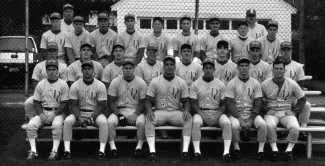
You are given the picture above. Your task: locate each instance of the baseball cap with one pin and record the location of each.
(52, 62)
(128, 61)
(87, 63)
(223, 43)
(286, 44)
(78, 18)
(127, 16)
(103, 16)
(169, 58)
(184, 46)
(243, 59)
(68, 6)
(52, 45)
(85, 45)
(208, 61)
(214, 19)
(152, 47)
(118, 45)
(255, 44)
(273, 23)
(251, 12)
(55, 15)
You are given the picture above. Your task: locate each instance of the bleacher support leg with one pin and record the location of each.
(309, 145)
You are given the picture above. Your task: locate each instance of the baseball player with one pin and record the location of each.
(54, 35)
(279, 93)
(75, 39)
(40, 73)
(240, 44)
(50, 98)
(259, 69)
(166, 93)
(225, 69)
(255, 30)
(186, 37)
(114, 69)
(103, 39)
(270, 43)
(209, 41)
(132, 40)
(207, 96)
(88, 98)
(74, 69)
(163, 41)
(66, 22)
(126, 96)
(244, 101)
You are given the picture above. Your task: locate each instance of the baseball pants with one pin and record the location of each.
(29, 107)
(174, 118)
(100, 121)
(112, 122)
(290, 122)
(222, 121)
(35, 123)
(259, 124)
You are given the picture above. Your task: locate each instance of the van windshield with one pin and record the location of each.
(15, 44)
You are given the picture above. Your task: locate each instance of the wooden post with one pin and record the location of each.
(309, 144)
(26, 47)
(196, 16)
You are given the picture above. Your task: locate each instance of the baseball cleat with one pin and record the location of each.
(32, 155)
(66, 156)
(53, 156)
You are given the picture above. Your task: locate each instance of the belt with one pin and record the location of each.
(49, 109)
(86, 110)
(77, 59)
(206, 109)
(121, 107)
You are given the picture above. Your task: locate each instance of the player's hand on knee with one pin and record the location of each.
(43, 118)
(271, 112)
(132, 119)
(82, 122)
(91, 121)
(249, 123)
(121, 120)
(150, 116)
(186, 116)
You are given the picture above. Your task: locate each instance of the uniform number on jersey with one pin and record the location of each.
(162, 102)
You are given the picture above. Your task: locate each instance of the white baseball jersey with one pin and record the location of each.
(167, 94)
(179, 39)
(208, 44)
(128, 94)
(257, 32)
(88, 95)
(148, 72)
(208, 94)
(74, 70)
(75, 42)
(103, 42)
(59, 39)
(131, 43)
(239, 48)
(39, 72)
(189, 73)
(225, 72)
(244, 94)
(65, 27)
(270, 50)
(111, 71)
(281, 99)
(163, 42)
(51, 95)
(295, 71)
(260, 71)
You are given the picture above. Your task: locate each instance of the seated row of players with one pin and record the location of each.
(128, 95)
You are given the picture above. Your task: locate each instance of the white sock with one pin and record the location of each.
(140, 143)
(290, 147)
(112, 144)
(186, 143)
(303, 125)
(226, 144)
(32, 143)
(261, 146)
(274, 147)
(196, 145)
(67, 146)
(151, 144)
(236, 146)
(56, 144)
(102, 147)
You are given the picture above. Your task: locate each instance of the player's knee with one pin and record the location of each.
(196, 120)
(32, 127)
(226, 125)
(307, 106)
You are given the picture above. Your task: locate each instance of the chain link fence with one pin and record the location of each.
(286, 12)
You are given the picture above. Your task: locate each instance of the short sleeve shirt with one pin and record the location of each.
(103, 42)
(39, 71)
(74, 71)
(148, 72)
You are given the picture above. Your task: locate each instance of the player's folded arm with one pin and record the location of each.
(194, 105)
(75, 108)
(38, 107)
(112, 105)
(232, 108)
(101, 106)
(257, 106)
(149, 102)
(300, 104)
(62, 107)
(140, 109)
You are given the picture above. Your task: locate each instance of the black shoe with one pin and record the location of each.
(236, 154)
(245, 136)
(153, 157)
(32, 155)
(185, 156)
(66, 156)
(138, 153)
(274, 157)
(114, 153)
(100, 155)
(53, 156)
(260, 156)
(302, 136)
(197, 156)
(289, 156)
(228, 158)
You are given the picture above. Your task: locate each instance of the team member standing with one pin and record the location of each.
(50, 98)
(88, 98)
(132, 40)
(126, 96)
(207, 96)
(240, 44)
(166, 92)
(186, 37)
(163, 41)
(209, 41)
(66, 22)
(102, 40)
(244, 101)
(75, 39)
(255, 30)
(279, 93)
